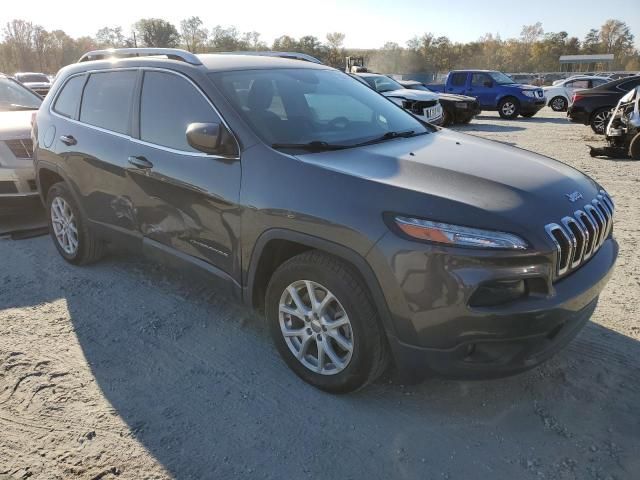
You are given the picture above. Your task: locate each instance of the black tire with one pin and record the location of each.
(89, 247)
(634, 147)
(528, 114)
(448, 117)
(558, 104)
(369, 357)
(509, 108)
(599, 120)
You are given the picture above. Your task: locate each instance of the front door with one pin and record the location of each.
(482, 88)
(185, 200)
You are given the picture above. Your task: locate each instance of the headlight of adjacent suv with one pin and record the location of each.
(456, 235)
(529, 93)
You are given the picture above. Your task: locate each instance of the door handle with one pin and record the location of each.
(68, 140)
(140, 162)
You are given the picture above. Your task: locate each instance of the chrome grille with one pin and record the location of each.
(577, 238)
(21, 148)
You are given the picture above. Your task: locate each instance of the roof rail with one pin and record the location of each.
(289, 55)
(172, 53)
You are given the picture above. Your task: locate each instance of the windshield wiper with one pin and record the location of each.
(390, 136)
(314, 146)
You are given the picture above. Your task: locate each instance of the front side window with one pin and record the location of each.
(319, 106)
(14, 96)
(479, 79)
(168, 105)
(500, 78)
(69, 97)
(107, 98)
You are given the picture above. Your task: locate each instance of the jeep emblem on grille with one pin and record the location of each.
(574, 196)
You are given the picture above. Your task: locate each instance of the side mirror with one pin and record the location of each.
(488, 83)
(205, 137)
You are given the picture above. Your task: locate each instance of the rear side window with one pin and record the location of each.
(478, 79)
(458, 79)
(626, 86)
(107, 100)
(168, 105)
(69, 97)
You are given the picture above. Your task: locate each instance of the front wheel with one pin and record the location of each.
(509, 108)
(324, 323)
(599, 120)
(71, 236)
(559, 104)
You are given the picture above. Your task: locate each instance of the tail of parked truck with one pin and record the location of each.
(494, 91)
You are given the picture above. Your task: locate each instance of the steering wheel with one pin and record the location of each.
(339, 122)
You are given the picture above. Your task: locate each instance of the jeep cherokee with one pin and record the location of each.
(366, 236)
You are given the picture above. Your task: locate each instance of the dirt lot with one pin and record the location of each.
(124, 369)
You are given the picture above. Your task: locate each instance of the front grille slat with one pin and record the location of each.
(577, 238)
(21, 148)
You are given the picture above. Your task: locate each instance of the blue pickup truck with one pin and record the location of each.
(495, 91)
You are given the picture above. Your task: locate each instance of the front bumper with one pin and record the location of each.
(18, 190)
(531, 105)
(437, 332)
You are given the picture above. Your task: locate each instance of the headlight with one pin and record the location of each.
(529, 93)
(456, 235)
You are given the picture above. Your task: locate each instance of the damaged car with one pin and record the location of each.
(455, 108)
(623, 129)
(423, 104)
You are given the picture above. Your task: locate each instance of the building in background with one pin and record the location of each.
(586, 63)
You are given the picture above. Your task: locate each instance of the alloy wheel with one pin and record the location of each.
(558, 104)
(508, 108)
(316, 327)
(600, 120)
(64, 225)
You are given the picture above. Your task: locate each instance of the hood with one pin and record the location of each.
(15, 124)
(454, 97)
(412, 94)
(452, 177)
(521, 86)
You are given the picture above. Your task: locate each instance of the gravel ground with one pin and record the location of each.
(126, 370)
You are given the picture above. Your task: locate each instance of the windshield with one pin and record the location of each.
(32, 78)
(14, 96)
(500, 78)
(301, 106)
(383, 84)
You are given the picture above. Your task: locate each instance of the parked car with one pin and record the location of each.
(38, 82)
(455, 108)
(559, 95)
(495, 91)
(17, 175)
(623, 129)
(593, 107)
(365, 235)
(423, 104)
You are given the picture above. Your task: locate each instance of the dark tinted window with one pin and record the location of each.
(107, 100)
(458, 79)
(69, 97)
(479, 79)
(32, 78)
(626, 86)
(169, 104)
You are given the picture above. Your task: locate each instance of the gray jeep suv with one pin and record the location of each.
(366, 236)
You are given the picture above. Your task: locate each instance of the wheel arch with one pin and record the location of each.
(288, 243)
(47, 175)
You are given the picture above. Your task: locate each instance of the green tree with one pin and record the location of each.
(194, 35)
(155, 32)
(111, 37)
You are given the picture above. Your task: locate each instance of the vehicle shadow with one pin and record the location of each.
(197, 380)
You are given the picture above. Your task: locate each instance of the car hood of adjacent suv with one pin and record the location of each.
(15, 124)
(465, 179)
(419, 95)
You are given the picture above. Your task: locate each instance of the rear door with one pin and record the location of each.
(185, 200)
(93, 142)
(457, 82)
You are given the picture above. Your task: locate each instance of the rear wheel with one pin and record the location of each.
(75, 242)
(634, 147)
(509, 108)
(599, 120)
(559, 104)
(324, 323)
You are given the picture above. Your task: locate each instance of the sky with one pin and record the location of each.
(366, 23)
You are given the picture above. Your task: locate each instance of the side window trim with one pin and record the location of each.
(138, 109)
(76, 114)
